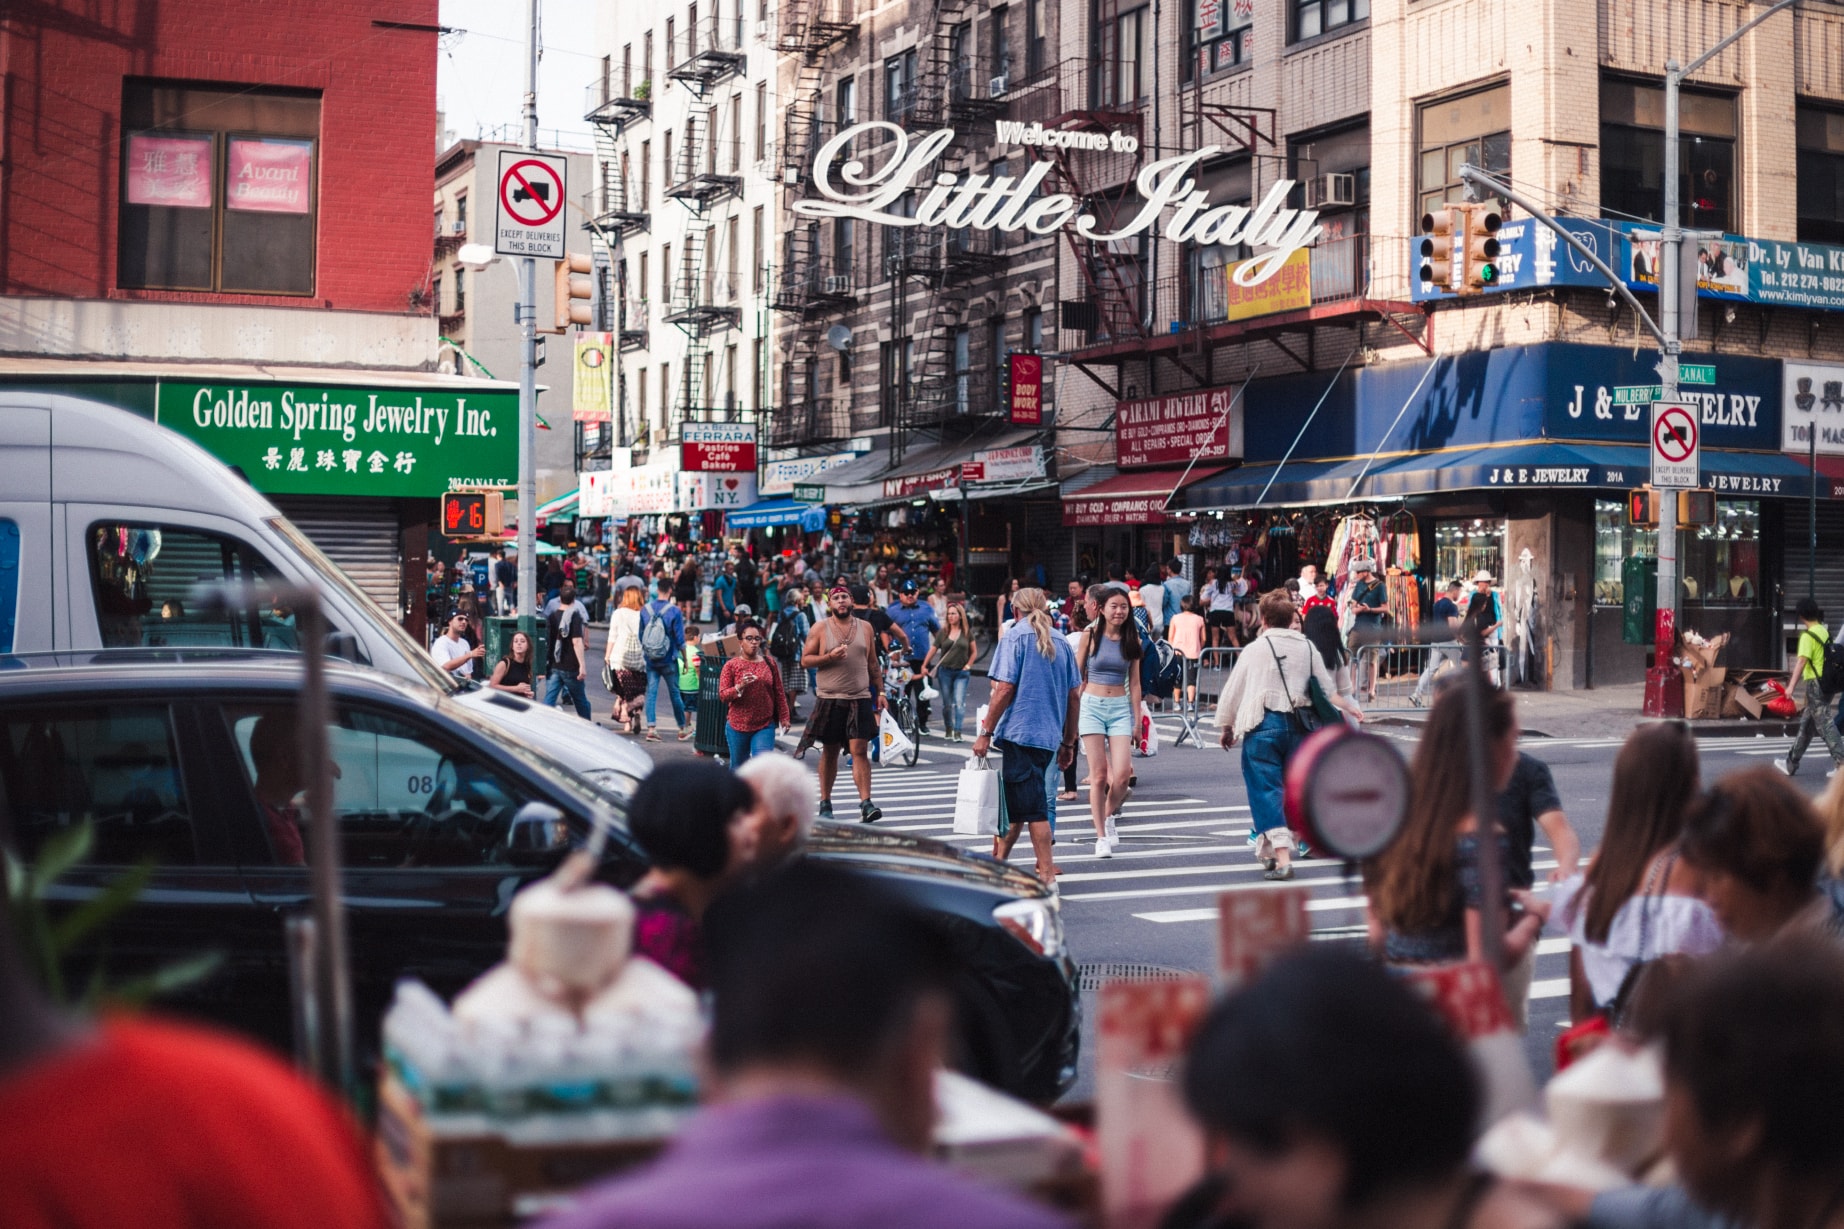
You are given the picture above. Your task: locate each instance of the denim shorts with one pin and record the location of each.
(1110, 715)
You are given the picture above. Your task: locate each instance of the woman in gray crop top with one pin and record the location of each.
(1109, 660)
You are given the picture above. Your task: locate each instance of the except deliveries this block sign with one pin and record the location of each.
(270, 176)
(1675, 461)
(1027, 390)
(312, 440)
(528, 207)
(171, 172)
(1172, 430)
(717, 447)
(1151, 1148)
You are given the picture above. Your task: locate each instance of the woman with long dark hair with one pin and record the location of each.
(1424, 889)
(1110, 666)
(1638, 901)
(627, 664)
(950, 659)
(692, 820)
(513, 671)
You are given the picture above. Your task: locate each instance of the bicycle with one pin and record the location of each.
(902, 707)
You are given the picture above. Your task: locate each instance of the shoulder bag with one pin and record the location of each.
(1305, 720)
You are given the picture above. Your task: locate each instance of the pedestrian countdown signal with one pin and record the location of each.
(472, 514)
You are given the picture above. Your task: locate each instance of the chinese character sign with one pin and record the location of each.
(173, 172)
(1027, 385)
(589, 389)
(300, 440)
(1151, 1148)
(1255, 926)
(270, 176)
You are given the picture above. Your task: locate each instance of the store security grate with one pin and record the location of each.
(1092, 975)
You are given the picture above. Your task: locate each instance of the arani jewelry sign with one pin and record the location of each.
(986, 202)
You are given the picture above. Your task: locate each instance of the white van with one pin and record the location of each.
(107, 521)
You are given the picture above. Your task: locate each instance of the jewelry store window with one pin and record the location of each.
(1720, 563)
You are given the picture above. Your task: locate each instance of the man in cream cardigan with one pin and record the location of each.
(1258, 707)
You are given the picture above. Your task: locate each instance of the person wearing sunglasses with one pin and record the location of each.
(758, 700)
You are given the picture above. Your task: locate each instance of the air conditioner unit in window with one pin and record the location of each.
(764, 28)
(838, 283)
(998, 85)
(1329, 191)
(460, 226)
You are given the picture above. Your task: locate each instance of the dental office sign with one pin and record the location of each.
(853, 190)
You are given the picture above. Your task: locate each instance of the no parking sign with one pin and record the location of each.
(529, 205)
(1676, 457)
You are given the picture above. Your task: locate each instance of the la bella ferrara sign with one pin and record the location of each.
(999, 202)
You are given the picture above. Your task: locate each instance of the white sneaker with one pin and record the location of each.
(1103, 849)
(1113, 833)
(1781, 765)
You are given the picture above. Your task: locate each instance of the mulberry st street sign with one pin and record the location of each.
(865, 192)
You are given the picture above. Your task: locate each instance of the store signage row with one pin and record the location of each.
(702, 492)
(911, 484)
(323, 440)
(1005, 204)
(261, 175)
(1606, 393)
(1732, 267)
(780, 477)
(1005, 465)
(1114, 510)
(595, 493)
(1024, 389)
(1171, 430)
(1812, 403)
(717, 447)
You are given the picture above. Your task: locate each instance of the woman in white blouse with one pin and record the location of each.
(1637, 901)
(1257, 706)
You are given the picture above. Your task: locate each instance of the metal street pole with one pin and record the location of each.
(528, 370)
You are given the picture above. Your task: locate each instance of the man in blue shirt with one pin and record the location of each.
(663, 672)
(1176, 587)
(1445, 624)
(1036, 691)
(917, 621)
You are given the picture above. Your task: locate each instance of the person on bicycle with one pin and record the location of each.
(916, 619)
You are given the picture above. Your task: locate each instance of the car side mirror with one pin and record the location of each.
(540, 833)
(343, 645)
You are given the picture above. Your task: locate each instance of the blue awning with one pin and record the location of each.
(1524, 465)
(810, 517)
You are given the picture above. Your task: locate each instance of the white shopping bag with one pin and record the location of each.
(976, 800)
(891, 741)
(1145, 734)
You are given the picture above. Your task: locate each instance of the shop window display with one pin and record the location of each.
(1462, 549)
(1720, 563)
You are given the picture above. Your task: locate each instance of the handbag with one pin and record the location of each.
(1145, 734)
(1323, 708)
(1305, 720)
(976, 800)
(891, 740)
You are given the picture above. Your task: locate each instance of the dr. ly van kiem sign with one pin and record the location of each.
(855, 190)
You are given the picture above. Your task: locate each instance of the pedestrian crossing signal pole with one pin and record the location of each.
(528, 370)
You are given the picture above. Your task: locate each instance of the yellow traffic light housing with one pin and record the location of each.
(1642, 508)
(1481, 248)
(575, 291)
(1440, 230)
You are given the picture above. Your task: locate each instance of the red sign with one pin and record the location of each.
(1171, 430)
(270, 176)
(171, 172)
(1255, 925)
(530, 192)
(973, 471)
(909, 484)
(1027, 390)
(717, 448)
(1469, 996)
(1115, 510)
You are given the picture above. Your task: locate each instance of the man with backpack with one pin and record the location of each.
(784, 645)
(566, 625)
(1817, 676)
(662, 637)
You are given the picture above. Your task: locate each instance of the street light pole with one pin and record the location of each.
(528, 370)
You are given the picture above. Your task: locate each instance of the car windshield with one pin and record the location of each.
(604, 785)
(331, 575)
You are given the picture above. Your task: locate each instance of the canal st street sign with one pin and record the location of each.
(1002, 203)
(323, 440)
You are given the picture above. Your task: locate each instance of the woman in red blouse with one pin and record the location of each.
(751, 685)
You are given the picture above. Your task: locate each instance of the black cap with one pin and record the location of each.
(908, 586)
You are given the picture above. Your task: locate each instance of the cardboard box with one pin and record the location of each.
(1698, 659)
(1703, 693)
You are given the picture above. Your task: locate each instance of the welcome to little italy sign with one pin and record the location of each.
(982, 202)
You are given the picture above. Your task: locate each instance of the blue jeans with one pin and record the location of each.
(742, 745)
(562, 681)
(954, 694)
(669, 680)
(1265, 752)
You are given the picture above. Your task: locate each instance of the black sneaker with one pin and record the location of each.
(868, 812)
(825, 809)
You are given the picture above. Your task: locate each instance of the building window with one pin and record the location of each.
(1473, 128)
(757, 257)
(1312, 17)
(1721, 563)
(1464, 548)
(900, 86)
(461, 213)
(1222, 35)
(1001, 44)
(761, 120)
(898, 240)
(998, 353)
(736, 134)
(670, 31)
(665, 161)
(1036, 38)
(460, 290)
(1821, 175)
(646, 175)
(1034, 329)
(842, 380)
(219, 190)
(665, 273)
(1120, 81)
(731, 244)
(435, 294)
(1633, 154)
(756, 368)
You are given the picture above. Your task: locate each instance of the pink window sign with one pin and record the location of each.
(172, 172)
(269, 176)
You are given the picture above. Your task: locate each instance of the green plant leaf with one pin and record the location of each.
(71, 929)
(136, 991)
(57, 855)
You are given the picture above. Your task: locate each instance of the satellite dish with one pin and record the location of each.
(839, 337)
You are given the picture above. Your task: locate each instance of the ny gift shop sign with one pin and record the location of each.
(854, 189)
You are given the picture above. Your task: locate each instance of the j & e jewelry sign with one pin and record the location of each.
(855, 190)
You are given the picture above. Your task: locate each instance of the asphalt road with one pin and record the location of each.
(1150, 909)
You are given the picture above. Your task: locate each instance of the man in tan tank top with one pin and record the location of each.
(850, 689)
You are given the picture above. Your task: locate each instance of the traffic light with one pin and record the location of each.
(575, 291)
(1696, 507)
(1481, 253)
(473, 514)
(1438, 266)
(1642, 508)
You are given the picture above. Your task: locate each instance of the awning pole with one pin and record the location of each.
(1392, 428)
(1199, 450)
(1333, 383)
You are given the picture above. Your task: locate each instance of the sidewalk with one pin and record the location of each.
(1603, 712)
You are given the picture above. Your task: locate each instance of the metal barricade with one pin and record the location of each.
(1197, 716)
(1393, 677)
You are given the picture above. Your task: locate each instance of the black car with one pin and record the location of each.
(180, 760)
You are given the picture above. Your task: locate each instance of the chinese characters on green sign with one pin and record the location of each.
(321, 440)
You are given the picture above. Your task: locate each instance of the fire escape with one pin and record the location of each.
(805, 288)
(616, 206)
(704, 299)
